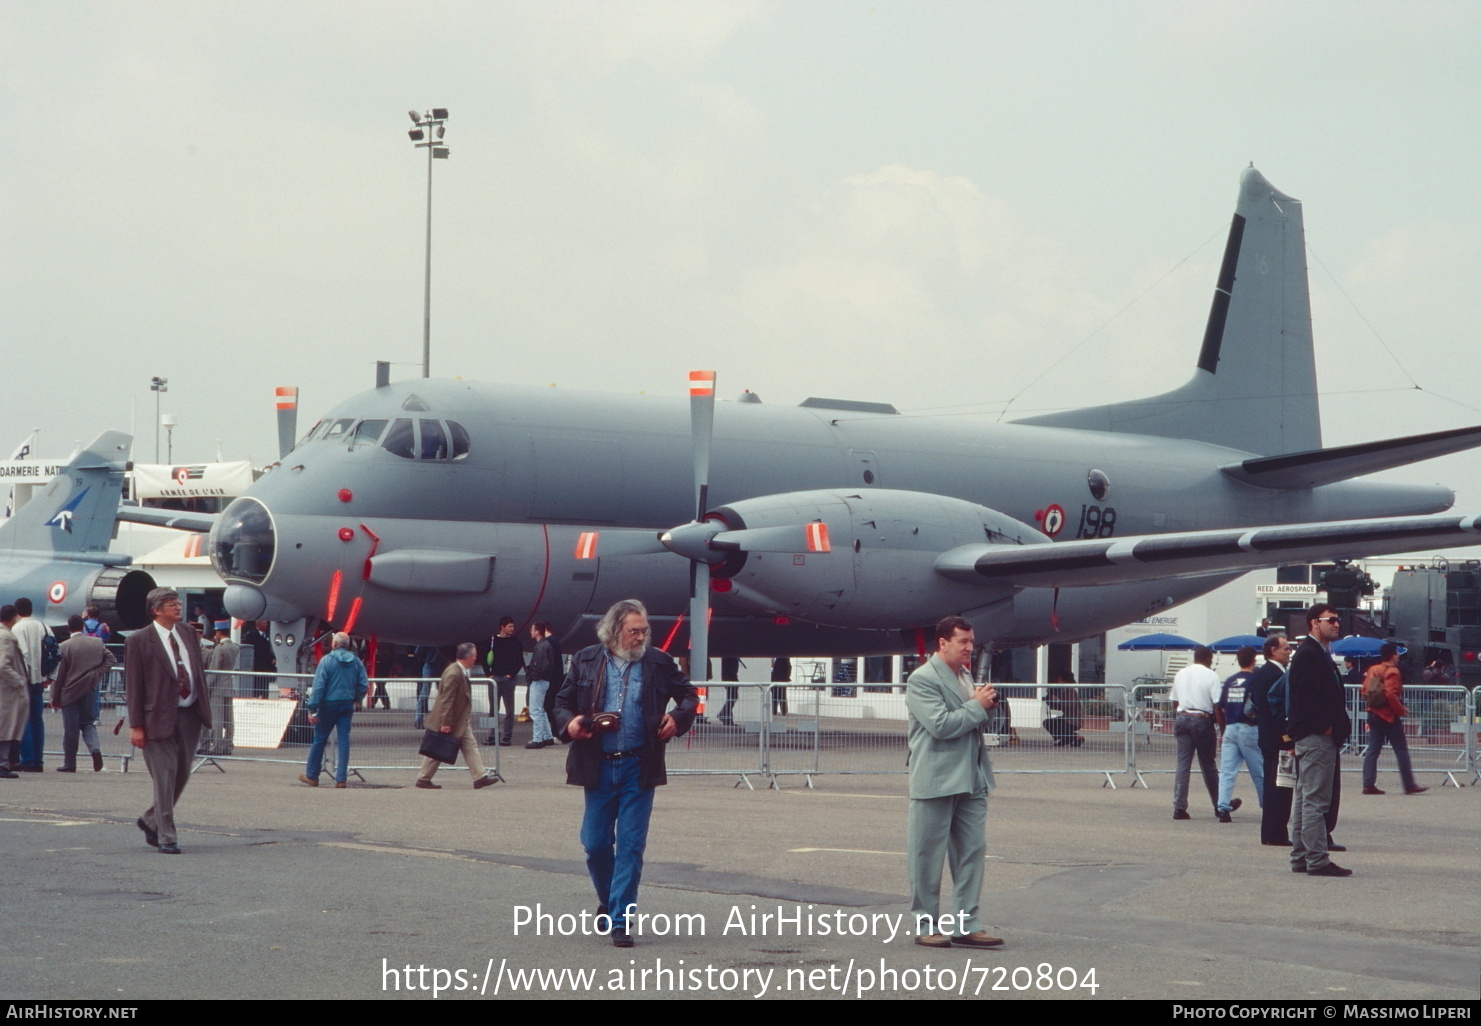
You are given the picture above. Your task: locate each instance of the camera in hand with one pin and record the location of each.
(605, 722)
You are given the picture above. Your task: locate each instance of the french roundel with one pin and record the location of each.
(182, 475)
(57, 593)
(1053, 520)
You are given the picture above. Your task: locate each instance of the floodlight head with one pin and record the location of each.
(416, 134)
(441, 131)
(415, 117)
(439, 113)
(439, 151)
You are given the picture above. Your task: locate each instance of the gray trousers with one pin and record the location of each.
(78, 718)
(952, 829)
(168, 759)
(1194, 735)
(1316, 765)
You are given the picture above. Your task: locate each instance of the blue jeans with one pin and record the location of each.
(614, 832)
(1379, 731)
(424, 691)
(540, 723)
(1241, 744)
(331, 715)
(33, 741)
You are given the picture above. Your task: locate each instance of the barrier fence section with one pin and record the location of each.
(772, 731)
(1440, 730)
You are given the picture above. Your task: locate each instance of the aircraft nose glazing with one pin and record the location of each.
(243, 542)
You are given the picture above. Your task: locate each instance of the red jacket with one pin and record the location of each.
(1393, 688)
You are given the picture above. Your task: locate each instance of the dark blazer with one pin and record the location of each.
(1258, 690)
(662, 683)
(1317, 701)
(151, 688)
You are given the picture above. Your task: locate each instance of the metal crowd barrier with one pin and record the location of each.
(770, 731)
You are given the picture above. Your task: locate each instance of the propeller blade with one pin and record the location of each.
(811, 537)
(608, 544)
(701, 425)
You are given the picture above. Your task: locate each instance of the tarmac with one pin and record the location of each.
(382, 890)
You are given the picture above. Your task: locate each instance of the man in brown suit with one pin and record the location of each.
(169, 705)
(453, 714)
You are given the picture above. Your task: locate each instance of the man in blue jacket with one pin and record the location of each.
(339, 684)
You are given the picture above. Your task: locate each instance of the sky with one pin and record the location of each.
(977, 206)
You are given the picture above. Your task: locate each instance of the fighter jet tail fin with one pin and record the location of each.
(1255, 385)
(76, 512)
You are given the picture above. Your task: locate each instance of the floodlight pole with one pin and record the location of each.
(157, 385)
(428, 133)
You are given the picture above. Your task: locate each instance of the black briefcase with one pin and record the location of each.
(440, 746)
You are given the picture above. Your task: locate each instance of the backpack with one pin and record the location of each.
(1278, 696)
(51, 655)
(1373, 694)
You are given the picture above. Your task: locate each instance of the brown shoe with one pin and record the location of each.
(302, 779)
(977, 939)
(482, 782)
(429, 785)
(1415, 790)
(933, 940)
(340, 783)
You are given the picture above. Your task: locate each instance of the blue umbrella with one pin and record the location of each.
(1235, 642)
(1361, 648)
(1157, 642)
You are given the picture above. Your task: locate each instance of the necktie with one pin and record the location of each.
(180, 670)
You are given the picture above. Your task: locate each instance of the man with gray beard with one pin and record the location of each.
(613, 708)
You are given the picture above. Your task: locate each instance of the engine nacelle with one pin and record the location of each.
(119, 594)
(880, 572)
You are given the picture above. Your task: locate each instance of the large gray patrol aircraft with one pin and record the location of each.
(54, 550)
(422, 511)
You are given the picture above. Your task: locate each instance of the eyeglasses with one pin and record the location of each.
(637, 632)
(1329, 619)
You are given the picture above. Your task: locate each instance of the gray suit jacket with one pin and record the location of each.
(150, 686)
(945, 735)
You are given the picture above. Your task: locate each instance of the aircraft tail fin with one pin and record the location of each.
(75, 513)
(1255, 385)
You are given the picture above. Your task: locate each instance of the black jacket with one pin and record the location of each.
(1270, 730)
(662, 683)
(1317, 702)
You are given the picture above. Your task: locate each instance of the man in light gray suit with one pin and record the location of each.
(950, 778)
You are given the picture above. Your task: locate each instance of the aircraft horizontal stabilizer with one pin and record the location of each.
(1340, 463)
(1079, 564)
(200, 523)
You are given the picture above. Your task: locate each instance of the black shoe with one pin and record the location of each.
(492, 741)
(1330, 869)
(5, 774)
(1180, 814)
(1337, 847)
(482, 782)
(1299, 867)
(97, 762)
(504, 741)
(1235, 803)
(429, 785)
(66, 769)
(1278, 844)
(621, 939)
(1414, 790)
(1224, 816)
(535, 744)
(151, 836)
(30, 769)
(169, 849)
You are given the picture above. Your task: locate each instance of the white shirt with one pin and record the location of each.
(1195, 689)
(164, 637)
(28, 633)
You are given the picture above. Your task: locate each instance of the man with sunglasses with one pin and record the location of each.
(614, 708)
(1319, 725)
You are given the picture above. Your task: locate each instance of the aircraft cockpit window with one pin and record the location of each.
(433, 441)
(401, 439)
(459, 438)
(367, 432)
(311, 432)
(415, 403)
(338, 428)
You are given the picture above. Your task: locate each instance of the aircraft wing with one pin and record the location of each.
(1341, 463)
(1086, 563)
(181, 521)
